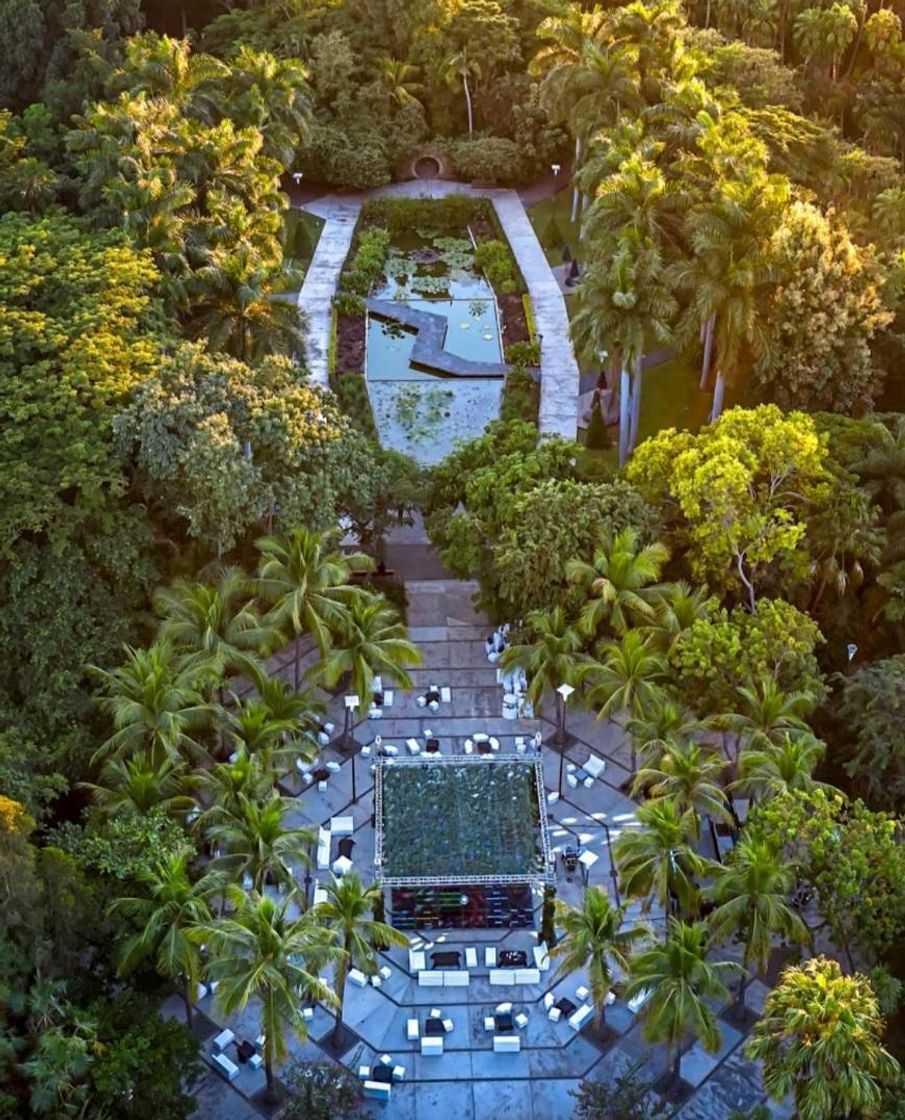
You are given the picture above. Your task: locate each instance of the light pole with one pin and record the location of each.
(297, 176)
(613, 873)
(351, 703)
(555, 168)
(563, 693)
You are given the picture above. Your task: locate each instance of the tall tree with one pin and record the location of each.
(260, 953)
(688, 775)
(257, 845)
(682, 986)
(595, 938)
(657, 859)
(348, 913)
(820, 1038)
(550, 658)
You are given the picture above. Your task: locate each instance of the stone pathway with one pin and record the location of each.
(559, 369)
(469, 1080)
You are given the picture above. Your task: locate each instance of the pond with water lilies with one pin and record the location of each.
(434, 349)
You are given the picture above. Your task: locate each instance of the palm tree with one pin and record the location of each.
(155, 701)
(627, 682)
(261, 954)
(664, 723)
(218, 790)
(750, 893)
(217, 619)
(399, 80)
(657, 860)
(620, 582)
(460, 67)
(136, 786)
(305, 579)
(768, 715)
(679, 608)
(594, 938)
(681, 983)
(551, 659)
(370, 641)
(256, 843)
(689, 776)
(251, 726)
(172, 906)
(347, 912)
(820, 1038)
(787, 765)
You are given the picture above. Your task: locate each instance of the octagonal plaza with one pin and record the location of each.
(390, 1016)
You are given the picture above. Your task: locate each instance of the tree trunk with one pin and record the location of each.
(677, 1066)
(468, 103)
(719, 394)
(271, 1091)
(576, 194)
(636, 404)
(709, 326)
(341, 972)
(625, 403)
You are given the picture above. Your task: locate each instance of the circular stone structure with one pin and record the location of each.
(430, 163)
(427, 167)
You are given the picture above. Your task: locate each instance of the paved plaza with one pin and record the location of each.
(469, 1080)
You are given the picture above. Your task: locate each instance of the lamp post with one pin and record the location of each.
(351, 703)
(555, 168)
(297, 176)
(563, 693)
(613, 873)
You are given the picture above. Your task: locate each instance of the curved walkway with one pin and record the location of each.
(558, 368)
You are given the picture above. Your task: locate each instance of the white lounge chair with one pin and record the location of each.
(506, 1044)
(357, 977)
(471, 957)
(490, 956)
(446, 695)
(417, 960)
(222, 1040)
(413, 745)
(225, 1066)
(432, 1045)
(412, 1033)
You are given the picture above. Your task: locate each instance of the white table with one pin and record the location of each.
(342, 826)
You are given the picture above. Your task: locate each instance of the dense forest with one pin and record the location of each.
(171, 484)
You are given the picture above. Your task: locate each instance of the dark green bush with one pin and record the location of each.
(348, 304)
(366, 266)
(523, 354)
(450, 214)
(352, 158)
(351, 391)
(521, 396)
(598, 438)
(494, 259)
(491, 158)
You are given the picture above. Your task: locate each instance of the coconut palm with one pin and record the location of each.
(657, 860)
(750, 893)
(627, 682)
(155, 701)
(260, 953)
(620, 582)
(172, 905)
(679, 608)
(820, 1039)
(256, 844)
(348, 913)
(689, 775)
(218, 790)
(552, 658)
(462, 67)
(768, 714)
(399, 79)
(217, 619)
(370, 641)
(270, 94)
(682, 984)
(305, 579)
(251, 726)
(786, 765)
(595, 939)
(135, 785)
(663, 723)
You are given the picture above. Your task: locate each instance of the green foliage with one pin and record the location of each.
(321, 1091)
(366, 266)
(870, 707)
(732, 649)
(854, 858)
(222, 445)
(450, 214)
(597, 438)
(344, 157)
(626, 1098)
(494, 259)
(521, 354)
(493, 159)
(351, 391)
(121, 847)
(521, 396)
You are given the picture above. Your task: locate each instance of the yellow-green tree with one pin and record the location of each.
(741, 491)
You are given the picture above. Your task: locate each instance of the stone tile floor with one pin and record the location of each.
(469, 1081)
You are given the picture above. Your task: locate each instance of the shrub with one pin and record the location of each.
(352, 395)
(494, 259)
(348, 304)
(492, 158)
(443, 215)
(523, 354)
(366, 266)
(598, 438)
(353, 158)
(521, 396)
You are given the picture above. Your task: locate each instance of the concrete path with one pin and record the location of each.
(558, 370)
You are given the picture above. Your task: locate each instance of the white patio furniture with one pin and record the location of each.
(398, 1073)
(520, 744)
(578, 1018)
(421, 701)
(225, 1066)
(527, 976)
(412, 1033)
(320, 895)
(541, 957)
(447, 1025)
(341, 866)
(435, 1013)
(588, 859)
(376, 1090)
(471, 957)
(417, 960)
(554, 1014)
(430, 979)
(357, 977)
(490, 956)
(553, 797)
(374, 712)
(332, 766)
(384, 972)
(637, 1002)
(256, 1061)
(323, 738)
(581, 993)
(506, 1044)
(494, 743)
(376, 980)
(549, 1000)
(385, 1060)
(571, 781)
(503, 1008)
(222, 1040)
(307, 1014)
(321, 787)
(489, 1023)
(521, 1020)
(456, 978)
(432, 1045)
(469, 746)
(414, 747)
(366, 750)
(342, 826)
(364, 1072)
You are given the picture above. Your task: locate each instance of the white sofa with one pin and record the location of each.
(579, 1017)
(506, 1044)
(437, 978)
(323, 849)
(225, 1066)
(432, 1045)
